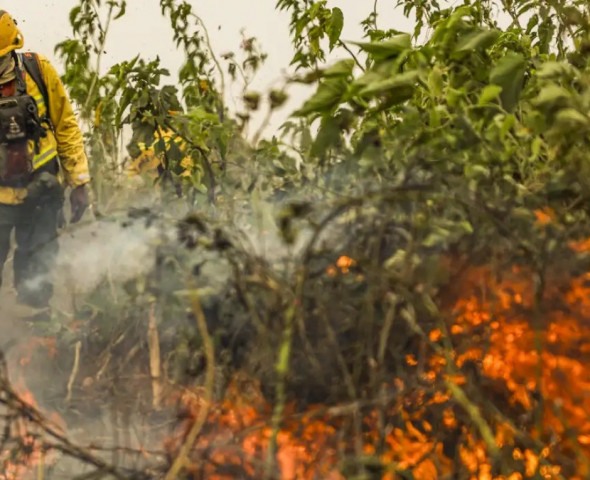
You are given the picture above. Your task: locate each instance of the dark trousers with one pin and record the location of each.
(35, 224)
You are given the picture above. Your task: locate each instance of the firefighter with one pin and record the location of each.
(41, 154)
(148, 164)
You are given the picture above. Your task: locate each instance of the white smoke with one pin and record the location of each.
(106, 250)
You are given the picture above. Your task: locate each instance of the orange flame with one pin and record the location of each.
(27, 452)
(535, 356)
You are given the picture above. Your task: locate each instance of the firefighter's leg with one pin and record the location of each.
(37, 249)
(6, 225)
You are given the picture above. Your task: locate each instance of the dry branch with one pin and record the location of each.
(182, 458)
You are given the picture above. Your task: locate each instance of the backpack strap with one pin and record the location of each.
(31, 63)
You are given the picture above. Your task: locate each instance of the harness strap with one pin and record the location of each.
(20, 83)
(30, 62)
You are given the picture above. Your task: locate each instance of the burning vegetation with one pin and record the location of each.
(484, 375)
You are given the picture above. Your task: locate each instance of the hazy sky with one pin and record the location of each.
(143, 30)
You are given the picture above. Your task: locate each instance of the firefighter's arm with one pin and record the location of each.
(70, 143)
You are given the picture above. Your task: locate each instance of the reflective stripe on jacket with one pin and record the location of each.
(65, 141)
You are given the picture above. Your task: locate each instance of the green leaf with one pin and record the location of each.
(395, 97)
(74, 13)
(174, 153)
(434, 118)
(327, 96)
(570, 117)
(536, 146)
(389, 48)
(507, 124)
(334, 27)
(474, 171)
(478, 40)
(489, 94)
(553, 69)
(252, 100)
(343, 68)
(327, 137)
(532, 23)
(406, 79)
(454, 96)
(366, 79)
(465, 226)
(122, 11)
(144, 133)
(200, 114)
(437, 237)
(574, 16)
(124, 102)
(435, 81)
(552, 95)
(508, 73)
(277, 98)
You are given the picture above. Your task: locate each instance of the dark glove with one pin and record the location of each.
(79, 202)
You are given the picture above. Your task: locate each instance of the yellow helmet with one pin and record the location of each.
(10, 36)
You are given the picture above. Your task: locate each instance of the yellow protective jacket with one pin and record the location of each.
(147, 162)
(65, 142)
